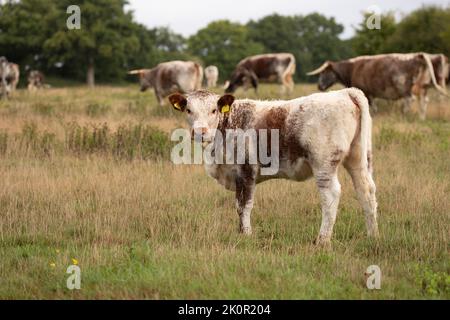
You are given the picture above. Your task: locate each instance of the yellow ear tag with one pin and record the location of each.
(225, 109)
(177, 106)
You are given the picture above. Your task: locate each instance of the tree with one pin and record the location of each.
(105, 39)
(170, 45)
(373, 41)
(147, 53)
(425, 29)
(312, 39)
(24, 26)
(224, 44)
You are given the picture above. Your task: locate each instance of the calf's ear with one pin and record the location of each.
(178, 101)
(225, 102)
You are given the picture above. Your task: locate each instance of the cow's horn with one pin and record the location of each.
(137, 71)
(319, 70)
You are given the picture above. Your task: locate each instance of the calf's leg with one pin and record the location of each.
(330, 192)
(365, 189)
(245, 190)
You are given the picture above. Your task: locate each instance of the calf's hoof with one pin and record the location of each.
(246, 230)
(373, 234)
(323, 241)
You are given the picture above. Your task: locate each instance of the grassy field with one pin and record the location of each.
(85, 175)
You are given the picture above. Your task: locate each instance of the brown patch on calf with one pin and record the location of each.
(242, 116)
(289, 130)
(294, 126)
(274, 118)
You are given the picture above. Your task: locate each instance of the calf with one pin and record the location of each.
(170, 77)
(316, 134)
(211, 75)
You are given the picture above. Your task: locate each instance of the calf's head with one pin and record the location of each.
(203, 111)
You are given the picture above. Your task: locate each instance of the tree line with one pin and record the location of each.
(34, 34)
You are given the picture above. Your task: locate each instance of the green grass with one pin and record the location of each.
(85, 175)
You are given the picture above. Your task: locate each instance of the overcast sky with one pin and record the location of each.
(187, 16)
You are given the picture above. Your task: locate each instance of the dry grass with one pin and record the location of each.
(149, 229)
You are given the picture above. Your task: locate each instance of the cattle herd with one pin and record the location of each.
(316, 133)
(385, 76)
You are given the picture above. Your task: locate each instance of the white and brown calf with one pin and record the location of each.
(317, 133)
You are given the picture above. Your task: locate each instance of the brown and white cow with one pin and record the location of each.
(9, 77)
(316, 134)
(211, 75)
(273, 67)
(170, 77)
(386, 76)
(36, 80)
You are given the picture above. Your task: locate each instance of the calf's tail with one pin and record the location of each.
(361, 101)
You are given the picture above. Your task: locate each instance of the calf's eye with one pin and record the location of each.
(188, 111)
(214, 111)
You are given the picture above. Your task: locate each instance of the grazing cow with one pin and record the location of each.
(36, 80)
(170, 77)
(387, 76)
(316, 134)
(265, 67)
(9, 77)
(211, 75)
